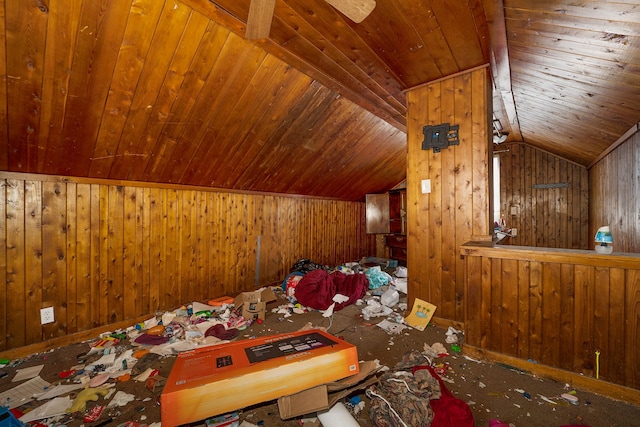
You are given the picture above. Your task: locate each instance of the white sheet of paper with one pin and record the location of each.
(27, 373)
(23, 393)
(52, 408)
(59, 390)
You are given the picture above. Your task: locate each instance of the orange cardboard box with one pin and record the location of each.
(214, 380)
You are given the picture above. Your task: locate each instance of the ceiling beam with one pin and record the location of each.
(500, 68)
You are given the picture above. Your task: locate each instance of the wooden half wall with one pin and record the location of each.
(104, 252)
(573, 310)
(458, 206)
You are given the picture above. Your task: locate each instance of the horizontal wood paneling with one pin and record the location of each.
(557, 308)
(102, 253)
(614, 191)
(545, 217)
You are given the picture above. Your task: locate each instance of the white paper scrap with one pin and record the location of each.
(27, 373)
(59, 390)
(23, 393)
(52, 408)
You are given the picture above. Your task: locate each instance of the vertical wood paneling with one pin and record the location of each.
(614, 185)
(456, 209)
(546, 217)
(104, 253)
(33, 262)
(556, 313)
(4, 288)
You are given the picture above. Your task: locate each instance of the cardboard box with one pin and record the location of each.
(324, 396)
(219, 379)
(254, 304)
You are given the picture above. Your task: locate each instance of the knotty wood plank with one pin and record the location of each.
(33, 207)
(524, 315)
(618, 324)
(4, 224)
(535, 311)
(85, 279)
(103, 255)
(632, 329)
(497, 305)
(551, 289)
(448, 247)
(71, 280)
(164, 68)
(481, 96)
(172, 294)
(486, 314)
(4, 128)
(102, 25)
(96, 246)
(583, 360)
(157, 262)
(62, 35)
(25, 39)
(566, 295)
(116, 254)
(473, 301)
(54, 256)
(142, 253)
(130, 290)
(127, 73)
(510, 305)
(434, 226)
(601, 317)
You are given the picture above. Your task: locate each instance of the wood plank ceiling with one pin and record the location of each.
(171, 92)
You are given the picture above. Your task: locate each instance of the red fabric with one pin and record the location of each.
(449, 410)
(317, 288)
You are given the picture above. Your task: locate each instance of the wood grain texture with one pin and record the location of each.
(558, 310)
(102, 253)
(546, 217)
(456, 209)
(614, 185)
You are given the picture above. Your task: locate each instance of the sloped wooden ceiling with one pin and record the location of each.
(171, 92)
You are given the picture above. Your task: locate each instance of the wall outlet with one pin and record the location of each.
(46, 315)
(425, 185)
(514, 232)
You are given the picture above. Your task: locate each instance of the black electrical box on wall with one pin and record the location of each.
(440, 136)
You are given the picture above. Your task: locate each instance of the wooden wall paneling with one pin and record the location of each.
(449, 249)
(529, 207)
(4, 288)
(601, 321)
(577, 305)
(618, 324)
(84, 246)
(156, 263)
(486, 313)
(566, 294)
(535, 311)
(632, 329)
(54, 263)
(524, 309)
(33, 204)
(202, 248)
(434, 280)
(480, 92)
(473, 297)
(15, 235)
(103, 255)
(130, 296)
(496, 305)
(509, 306)
(463, 187)
(142, 252)
(96, 250)
(4, 128)
(583, 332)
(116, 254)
(550, 305)
(71, 250)
(173, 285)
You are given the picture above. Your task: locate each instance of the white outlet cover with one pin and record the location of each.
(426, 186)
(46, 315)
